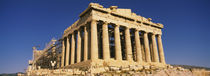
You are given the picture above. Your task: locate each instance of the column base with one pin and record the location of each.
(110, 62)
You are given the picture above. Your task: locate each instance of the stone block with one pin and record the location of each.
(146, 67)
(112, 68)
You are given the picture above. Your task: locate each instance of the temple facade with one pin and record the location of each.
(112, 37)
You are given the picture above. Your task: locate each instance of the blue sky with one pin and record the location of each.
(28, 23)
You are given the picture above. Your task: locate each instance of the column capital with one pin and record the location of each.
(153, 34)
(93, 20)
(63, 38)
(159, 35)
(117, 25)
(145, 32)
(127, 28)
(85, 27)
(78, 29)
(137, 30)
(105, 23)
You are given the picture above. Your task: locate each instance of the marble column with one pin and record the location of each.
(146, 46)
(78, 46)
(160, 48)
(67, 51)
(138, 47)
(154, 46)
(118, 54)
(128, 45)
(85, 44)
(106, 49)
(63, 53)
(94, 40)
(72, 48)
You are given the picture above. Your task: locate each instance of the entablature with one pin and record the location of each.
(121, 13)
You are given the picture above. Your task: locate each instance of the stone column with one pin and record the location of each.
(72, 48)
(63, 53)
(78, 46)
(94, 40)
(146, 45)
(118, 54)
(138, 47)
(160, 48)
(67, 51)
(59, 62)
(106, 49)
(154, 46)
(85, 44)
(128, 45)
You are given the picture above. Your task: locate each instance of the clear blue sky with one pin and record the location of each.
(28, 23)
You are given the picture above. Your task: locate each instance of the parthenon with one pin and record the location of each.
(109, 42)
(112, 37)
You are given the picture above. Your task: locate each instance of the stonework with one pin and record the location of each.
(102, 40)
(107, 42)
(112, 37)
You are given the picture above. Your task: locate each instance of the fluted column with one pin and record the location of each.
(154, 45)
(128, 45)
(67, 51)
(78, 46)
(72, 48)
(118, 54)
(160, 48)
(106, 49)
(138, 47)
(63, 53)
(85, 44)
(94, 40)
(147, 51)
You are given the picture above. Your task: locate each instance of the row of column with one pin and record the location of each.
(106, 48)
(118, 55)
(66, 48)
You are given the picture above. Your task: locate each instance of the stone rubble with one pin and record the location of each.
(131, 70)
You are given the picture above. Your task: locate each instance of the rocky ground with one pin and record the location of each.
(124, 71)
(170, 71)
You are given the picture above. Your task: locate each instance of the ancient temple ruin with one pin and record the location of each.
(112, 37)
(108, 42)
